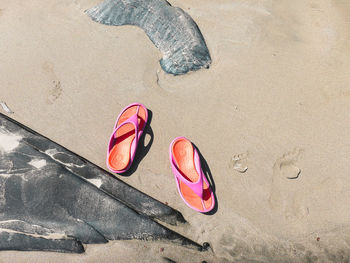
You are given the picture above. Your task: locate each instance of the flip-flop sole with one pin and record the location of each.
(119, 157)
(183, 152)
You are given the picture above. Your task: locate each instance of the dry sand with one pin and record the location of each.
(277, 95)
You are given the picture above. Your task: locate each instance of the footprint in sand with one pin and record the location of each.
(286, 186)
(285, 165)
(55, 90)
(239, 162)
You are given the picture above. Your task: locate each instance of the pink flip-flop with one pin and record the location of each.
(126, 133)
(191, 182)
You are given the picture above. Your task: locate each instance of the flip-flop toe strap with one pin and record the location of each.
(197, 187)
(134, 121)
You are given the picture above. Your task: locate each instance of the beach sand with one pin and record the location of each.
(276, 100)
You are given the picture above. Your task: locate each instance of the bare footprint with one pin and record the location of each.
(55, 92)
(286, 186)
(239, 162)
(285, 165)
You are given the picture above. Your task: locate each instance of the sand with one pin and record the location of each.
(275, 101)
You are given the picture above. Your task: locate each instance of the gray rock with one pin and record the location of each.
(52, 199)
(170, 29)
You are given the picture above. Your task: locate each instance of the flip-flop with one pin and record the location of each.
(123, 142)
(191, 182)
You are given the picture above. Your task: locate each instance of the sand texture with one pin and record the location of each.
(271, 116)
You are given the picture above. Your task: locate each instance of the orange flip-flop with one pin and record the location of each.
(191, 182)
(123, 142)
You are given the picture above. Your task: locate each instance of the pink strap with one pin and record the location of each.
(197, 187)
(134, 121)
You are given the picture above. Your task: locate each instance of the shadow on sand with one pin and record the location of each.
(208, 175)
